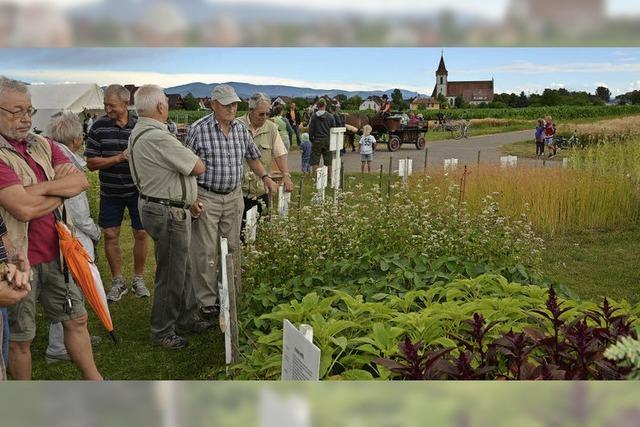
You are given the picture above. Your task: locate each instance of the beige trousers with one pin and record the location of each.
(220, 218)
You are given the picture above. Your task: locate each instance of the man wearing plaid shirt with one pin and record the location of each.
(222, 142)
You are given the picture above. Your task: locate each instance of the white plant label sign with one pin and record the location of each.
(300, 357)
(251, 225)
(336, 143)
(284, 198)
(224, 300)
(405, 168)
(321, 181)
(450, 164)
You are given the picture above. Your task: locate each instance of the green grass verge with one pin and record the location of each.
(596, 263)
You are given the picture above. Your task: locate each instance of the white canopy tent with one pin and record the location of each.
(51, 99)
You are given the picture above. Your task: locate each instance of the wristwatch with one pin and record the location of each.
(288, 175)
(266, 175)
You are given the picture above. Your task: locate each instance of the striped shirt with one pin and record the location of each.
(3, 232)
(222, 156)
(107, 139)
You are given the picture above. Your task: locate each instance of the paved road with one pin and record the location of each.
(465, 150)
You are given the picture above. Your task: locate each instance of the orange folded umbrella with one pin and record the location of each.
(85, 274)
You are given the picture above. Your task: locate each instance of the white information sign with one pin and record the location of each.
(284, 198)
(224, 300)
(508, 161)
(336, 143)
(251, 225)
(321, 181)
(405, 168)
(450, 164)
(300, 357)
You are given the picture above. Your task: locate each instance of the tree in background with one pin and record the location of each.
(190, 102)
(352, 103)
(603, 93)
(444, 103)
(397, 100)
(460, 102)
(522, 101)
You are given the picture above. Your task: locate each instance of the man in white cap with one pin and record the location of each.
(222, 142)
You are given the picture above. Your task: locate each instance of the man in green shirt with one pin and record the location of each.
(164, 172)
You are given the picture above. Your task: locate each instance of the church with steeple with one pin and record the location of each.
(473, 92)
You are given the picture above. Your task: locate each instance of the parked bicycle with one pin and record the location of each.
(460, 128)
(563, 143)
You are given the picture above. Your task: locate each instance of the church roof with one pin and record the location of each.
(441, 67)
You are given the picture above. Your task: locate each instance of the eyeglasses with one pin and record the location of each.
(20, 113)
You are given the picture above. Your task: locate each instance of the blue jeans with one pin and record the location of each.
(5, 335)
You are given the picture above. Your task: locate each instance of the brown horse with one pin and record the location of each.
(354, 122)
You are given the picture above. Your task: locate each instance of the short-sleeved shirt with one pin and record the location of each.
(107, 139)
(3, 232)
(222, 156)
(160, 160)
(366, 144)
(42, 236)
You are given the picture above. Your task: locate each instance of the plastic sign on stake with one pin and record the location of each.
(251, 225)
(450, 164)
(300, 357)
(336, 143)
(321, 181)
(405, 168)
(224, 301)
(508, 161)
(284, 198)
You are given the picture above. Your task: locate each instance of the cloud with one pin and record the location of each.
(165, 80)
(527, 67)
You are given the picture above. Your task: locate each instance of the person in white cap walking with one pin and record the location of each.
(222, 142)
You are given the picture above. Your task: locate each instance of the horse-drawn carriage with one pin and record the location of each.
(396, 133)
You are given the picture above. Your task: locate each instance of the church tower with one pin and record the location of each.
(441, 77)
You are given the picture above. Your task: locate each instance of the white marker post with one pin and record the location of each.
(508, 161)
(300, 357)
(565, 162)
(336, 143)
(251, 225)
(450, 164)
(223, 287)
(284, 198)
(321, 182)
(405, 168)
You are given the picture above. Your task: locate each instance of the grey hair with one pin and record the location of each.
(121, 92)
(7, 84)
(65, 128)
(257, 98)
(147, 98)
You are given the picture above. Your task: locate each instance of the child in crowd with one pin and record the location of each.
(366, 147)
(539, 138)
(549, 133)
(305, 152)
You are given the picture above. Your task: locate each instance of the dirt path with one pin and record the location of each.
(465, 150)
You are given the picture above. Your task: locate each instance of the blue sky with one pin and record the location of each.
(514, 69)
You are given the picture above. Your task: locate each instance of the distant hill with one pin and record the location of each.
(245, 90)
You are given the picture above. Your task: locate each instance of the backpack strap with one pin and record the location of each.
(183, 184)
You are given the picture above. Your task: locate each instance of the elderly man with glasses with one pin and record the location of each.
(35, 178)
(223, 143)
(273, 153)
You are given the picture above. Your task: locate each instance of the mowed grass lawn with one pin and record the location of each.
(134, 357)
(592, 263)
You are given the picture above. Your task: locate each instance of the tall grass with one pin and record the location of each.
(556, 200)
(610, 158)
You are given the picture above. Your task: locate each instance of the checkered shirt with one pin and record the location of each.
(222, 156)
